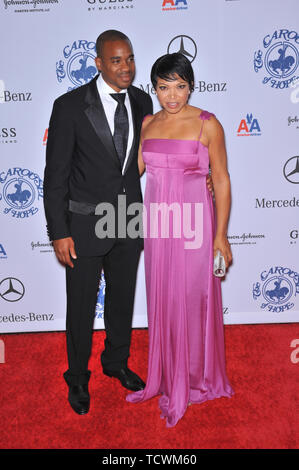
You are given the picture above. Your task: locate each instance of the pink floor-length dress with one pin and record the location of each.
(185, 321)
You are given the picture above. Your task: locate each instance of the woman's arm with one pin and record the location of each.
(141, 165)
(221, 182)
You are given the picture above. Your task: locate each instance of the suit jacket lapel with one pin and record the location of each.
(136, 117)
(97, 117)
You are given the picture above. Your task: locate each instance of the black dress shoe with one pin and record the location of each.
(127, 378)
(79, 398)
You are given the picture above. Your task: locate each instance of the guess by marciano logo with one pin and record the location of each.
(104, 5)
(77, 65)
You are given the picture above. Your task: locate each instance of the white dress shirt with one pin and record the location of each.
(110, 105)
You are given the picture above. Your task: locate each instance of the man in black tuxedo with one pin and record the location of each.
(91, 158)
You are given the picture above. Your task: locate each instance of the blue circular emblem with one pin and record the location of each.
(281, 60)
(278, 58)
(19, 193)
(277, 290)
(22, 190)
(78, 64)
(80, 68)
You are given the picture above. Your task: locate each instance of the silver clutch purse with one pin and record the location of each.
(219, 265)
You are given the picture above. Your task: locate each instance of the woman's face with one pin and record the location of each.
(173, 95)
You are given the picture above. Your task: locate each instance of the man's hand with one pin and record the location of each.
(64, 247)
(210, 183)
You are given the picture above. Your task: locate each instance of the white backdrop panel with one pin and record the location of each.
(44, 43)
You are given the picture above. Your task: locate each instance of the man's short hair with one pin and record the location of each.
(110, 35)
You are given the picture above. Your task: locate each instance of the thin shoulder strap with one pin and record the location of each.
(201, 128)
(204, 115)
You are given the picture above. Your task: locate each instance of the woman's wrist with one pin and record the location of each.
(221, 234)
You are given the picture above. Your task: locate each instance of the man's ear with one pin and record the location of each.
(98, 63)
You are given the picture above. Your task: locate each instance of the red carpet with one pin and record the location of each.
(263, 414)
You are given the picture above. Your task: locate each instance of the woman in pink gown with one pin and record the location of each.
(186, 343)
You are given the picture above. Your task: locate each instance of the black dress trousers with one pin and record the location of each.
(120, 269)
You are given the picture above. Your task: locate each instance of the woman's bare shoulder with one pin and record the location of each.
(150, 120)
(213, 127)
(193, 111)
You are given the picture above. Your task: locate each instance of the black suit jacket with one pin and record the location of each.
(82, 164)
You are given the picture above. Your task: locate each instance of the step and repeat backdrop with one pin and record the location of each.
(245, 56)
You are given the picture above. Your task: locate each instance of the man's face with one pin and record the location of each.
(117, 64)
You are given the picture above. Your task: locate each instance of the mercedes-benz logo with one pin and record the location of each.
(183, 44)
(11, 289)
(291, 170)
